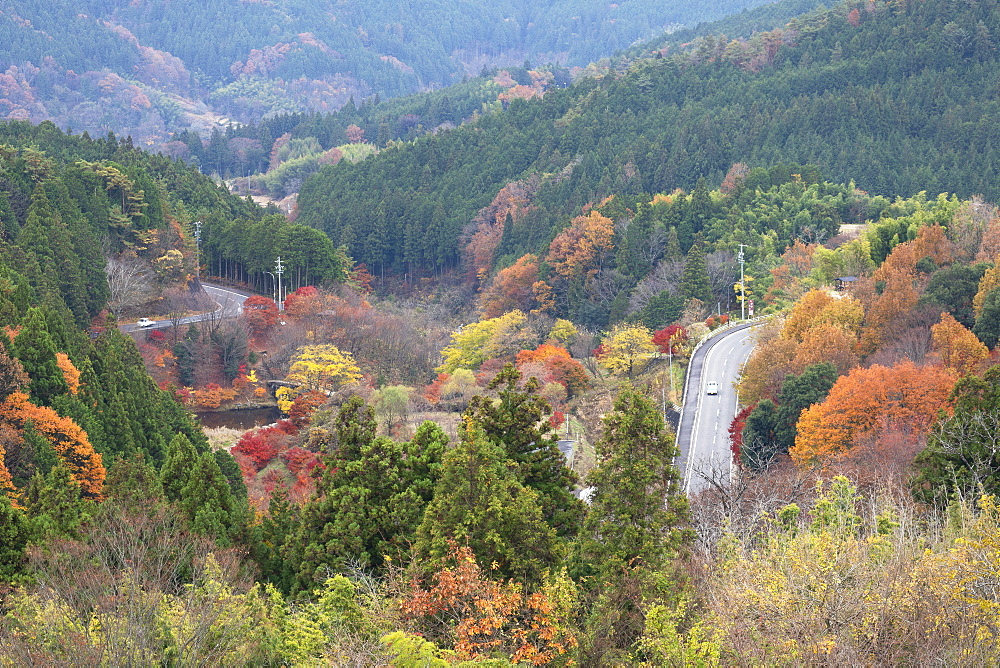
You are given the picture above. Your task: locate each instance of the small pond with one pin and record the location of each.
(240, 418)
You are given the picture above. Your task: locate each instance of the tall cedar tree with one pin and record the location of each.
(181, 458)
(519, 424)
(695, 283)
(14, 534)
(37, 353)
(369, 501)
(56, 505)
(479, 502)
(637, 509)
(207, 501)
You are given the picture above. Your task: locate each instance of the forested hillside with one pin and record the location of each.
(467, 458)
(888, 96)
(147, 69)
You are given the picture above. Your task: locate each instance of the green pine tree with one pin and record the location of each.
(208, 502)
(56, 506)
(695, 283)
(178, 467)
(14, 535)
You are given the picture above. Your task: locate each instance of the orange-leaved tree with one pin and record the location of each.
(895, 288)
(69, 371)
(483, 618)
(577, 251)
(959, 349)
(67, 438)
(818, 308)
(511, 288)
(559, 366)
(905, 397)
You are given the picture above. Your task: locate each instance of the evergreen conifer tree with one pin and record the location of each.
(695, 283)
(178, 467)
(518, 424)
(479, 502)
(638, 509)
(56, 505)
(14, 535)
(208, 502)
(37, 354)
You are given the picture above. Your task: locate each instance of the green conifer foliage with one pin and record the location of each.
(14, 535)
(518, 424)
(988, 321)
(208, 502)
(177, 468)
(760, 446)
(367, 509)
(37, 354)
(961, 460)
(274, 545)
(56, 506)
(695, 283)
(638, 512)
(479, 502)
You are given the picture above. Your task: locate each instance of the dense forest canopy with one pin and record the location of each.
(846, 90)
(147, 69)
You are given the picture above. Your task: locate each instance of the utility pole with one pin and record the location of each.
(279, 270)
(743, 287)
(197, 251)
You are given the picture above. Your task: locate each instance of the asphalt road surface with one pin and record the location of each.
(703, 433)
(230, 305)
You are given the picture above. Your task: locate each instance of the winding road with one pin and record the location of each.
(703, 432)
(230, 305)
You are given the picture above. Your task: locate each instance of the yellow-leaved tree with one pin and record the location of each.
(323, 368)
(626, 349)
(479, 341)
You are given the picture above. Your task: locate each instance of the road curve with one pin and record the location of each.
(230, 305)
(703, 432)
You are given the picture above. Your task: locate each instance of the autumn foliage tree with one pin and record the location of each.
(626, 348)
(511, 289)
(323, 368)
(866, 401)
(960, 350)
(576, 252)
(670, 339)
(70, 442)
(558, 365)
(260, 314)
(482, 618)
(896, 287)
(305, 302)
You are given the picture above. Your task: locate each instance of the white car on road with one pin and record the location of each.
(711, 387)
(143, 323)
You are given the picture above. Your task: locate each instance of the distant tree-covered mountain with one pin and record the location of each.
(896, 97)
(148, 68)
